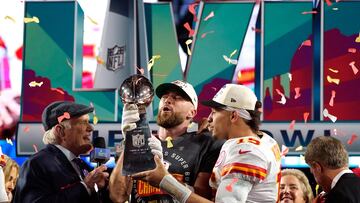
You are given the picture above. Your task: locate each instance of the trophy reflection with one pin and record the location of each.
(138, 90)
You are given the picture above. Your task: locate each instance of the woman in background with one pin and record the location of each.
(11, 172)
(295, 187)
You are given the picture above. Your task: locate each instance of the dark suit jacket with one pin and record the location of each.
(346, 190)
(49, 177)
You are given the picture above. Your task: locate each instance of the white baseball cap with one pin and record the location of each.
(235, 96)
(183, 88)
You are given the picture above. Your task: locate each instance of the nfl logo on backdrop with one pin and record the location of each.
(138, 140)
(115, 58)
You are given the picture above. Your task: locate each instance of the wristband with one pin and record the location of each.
(174, 188)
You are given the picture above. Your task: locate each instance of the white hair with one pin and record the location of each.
(50, 137)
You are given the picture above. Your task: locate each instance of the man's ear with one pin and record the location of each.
(234, 116)
(59, 131)
(191, 114)
(317, 167)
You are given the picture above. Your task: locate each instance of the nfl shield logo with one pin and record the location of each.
(115, 58)
(138, 140)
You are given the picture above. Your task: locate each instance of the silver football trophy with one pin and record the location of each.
(138, 90)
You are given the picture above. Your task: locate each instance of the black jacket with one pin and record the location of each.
(49, 177)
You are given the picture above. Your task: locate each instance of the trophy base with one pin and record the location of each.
(137, 153)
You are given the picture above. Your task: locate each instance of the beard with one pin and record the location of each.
(169, 120)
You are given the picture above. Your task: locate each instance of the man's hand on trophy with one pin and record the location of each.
(129, 117)
(156, 149)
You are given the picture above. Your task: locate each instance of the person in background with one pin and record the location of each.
(328, 161)
(11, 172)
(56, 174)
(190, 156)
(3, 196)
(248, 167)
(295, 187)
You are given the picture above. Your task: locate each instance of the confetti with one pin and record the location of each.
(305, 43)
(35, 148)
(309, 12)
(352, 139)
(169, 143)
(233, 53)
(214, 88)
(68, 63)
(239, 75)
(290, 76)
(306, 116)
(284, 150)
(328, 2)
(10, 18)
(297, 92)
(62, 117)
(26, 129)
(331, 102)
(34, 84)
(333, 70)
(333, 80)
(206, 33)
(317, 189)
(302, 158)
(191, 31)
(335, 9)
(229, 187)
(92, 20)
(191, 9)
(152, 61)
(299, 148)
(211, 14)
(9, 141)
(331, 117)
(95, 120)
(283, 99)
(357, 40)
(141, 70)
(292, 124)
(189, 41)
(99, 60)
(34, 19)
(57, 90)
(256, 29)
(229, 60)
(352, 65)
(352, 50)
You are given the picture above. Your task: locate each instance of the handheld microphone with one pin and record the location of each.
(100, 154)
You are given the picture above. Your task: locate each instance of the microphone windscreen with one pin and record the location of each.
(99, 142)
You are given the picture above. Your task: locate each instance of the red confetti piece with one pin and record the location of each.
(211, 14)
(141, 70)
(305, 43)
(328, 2)
(35, 148)
(192, 10)
(26, 129)
(191, 31)
(255, 29)
(333, 94)
(353, 67)
(292, 124)
(352, 50)
(55, 89)
(297, 92)
(284, 150)
(65, 115)
(306, 116)
(352, 139)
(214, 88)
(309, 12)
(229, 187)
(206, 33)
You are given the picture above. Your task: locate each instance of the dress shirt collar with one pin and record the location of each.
(69, 155)
(338, 176)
